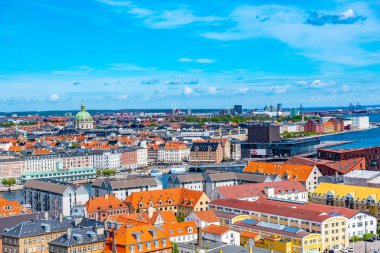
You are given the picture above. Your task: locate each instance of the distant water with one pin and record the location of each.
(363, 139)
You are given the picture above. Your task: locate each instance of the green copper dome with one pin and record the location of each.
(83, 115)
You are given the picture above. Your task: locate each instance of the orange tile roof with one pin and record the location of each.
(215, 229)
(249, 234)
(16, 148)
(125, 236)
(207, 215)
(41, 151)
(176, 196)
(104, 203)
(175, 145)
(11, 208)
(293, 171)
(343, 166)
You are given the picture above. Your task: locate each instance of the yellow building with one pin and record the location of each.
(366, 199)
(277, 217)
(83, 239)
(180, 200)
(35, 235)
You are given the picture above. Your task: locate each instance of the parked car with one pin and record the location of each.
(350, 249)
(369, 240)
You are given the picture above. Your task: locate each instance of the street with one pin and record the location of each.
(359, 247)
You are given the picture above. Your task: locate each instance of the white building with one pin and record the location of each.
(122, 188)
(361, 224)
(54, 196)
(173, 152)
(181, 232)
(214, 180)
(361, 122)
(221, 234)
(142, 157)
(106, 159)
(193, 181)
(41, 163)
(203, 218)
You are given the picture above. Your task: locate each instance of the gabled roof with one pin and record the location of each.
(162, 198)
(216, 229)
(207, 215)
(104, 203)
(258, 190)
(179, 229)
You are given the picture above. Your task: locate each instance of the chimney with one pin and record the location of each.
(68, 232)
(269, 191)
(60, 218)
(46, 215)
(106, 196)
(150, 212)
(199, 237)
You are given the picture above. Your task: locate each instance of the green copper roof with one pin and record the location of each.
(83, 115)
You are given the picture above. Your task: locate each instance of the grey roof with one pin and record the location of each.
(204, 146)
(133, 182)
(251, 177)
(213, 247)
(222, 176)
(47, 186)
(12, 221)
(187, 178)
(37, 227)
(84, 232)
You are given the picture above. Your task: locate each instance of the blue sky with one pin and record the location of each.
(203, 54)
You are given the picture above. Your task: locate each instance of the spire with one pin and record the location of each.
(82, 107)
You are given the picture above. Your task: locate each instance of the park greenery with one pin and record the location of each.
(106, 172)
(287, 135)
(8, 181)
(11, 124)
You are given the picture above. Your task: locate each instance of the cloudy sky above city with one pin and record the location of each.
(202, 54)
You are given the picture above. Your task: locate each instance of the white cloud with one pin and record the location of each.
(212, 90)
(199, 60)
(339, 43)
(185, 60)
(187, 90)
(123, 97)
(54, 97)
(205, 60)
(116, 2)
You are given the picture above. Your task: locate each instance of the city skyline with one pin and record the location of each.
(128, 54)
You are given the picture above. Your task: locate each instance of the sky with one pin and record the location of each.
(119, 54)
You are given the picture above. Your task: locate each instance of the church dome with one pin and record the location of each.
(83, 115)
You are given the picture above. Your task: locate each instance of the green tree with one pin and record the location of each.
(8, 181)
(175, 247)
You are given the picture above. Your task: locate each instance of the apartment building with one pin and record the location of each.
(12, 168)
(128, 158)
(222, 234)
(365, 199)
(206, 152)
(55, 196)
(123, 187)
(107, 159)
(287, 190)
(173, 152)
(276, 237)
(180, 200)
(142, 157)
(83, 239)
(306, 174)
(331, 226)
(35, 235)
(181, 232)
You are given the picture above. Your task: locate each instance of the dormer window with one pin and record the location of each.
(93, 237)
(137, 236)
(190, 230)
(151, 204)
(141, 205)
(160, 203)
(153, 232)
(169, 202)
